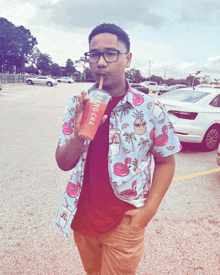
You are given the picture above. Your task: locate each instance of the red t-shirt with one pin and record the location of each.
(99, 210)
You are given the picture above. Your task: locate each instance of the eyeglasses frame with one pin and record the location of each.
(102, 54)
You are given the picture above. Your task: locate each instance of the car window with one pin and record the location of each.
(215, 102)
(191, 96)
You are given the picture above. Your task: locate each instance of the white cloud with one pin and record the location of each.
(62, 29)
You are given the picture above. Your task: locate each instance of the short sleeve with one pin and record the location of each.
(68, 122)
(165, 141)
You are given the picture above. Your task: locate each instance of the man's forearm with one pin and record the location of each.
(68, 154)
(162, 177)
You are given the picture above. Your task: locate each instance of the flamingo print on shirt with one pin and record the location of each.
(162, 139)
(67, 127)
(130, 192)
(72, 189)
(121, 169)
(137, 98)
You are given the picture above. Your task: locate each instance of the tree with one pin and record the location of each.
(205, 79)
(31, 70)
(44, 62)
(82, 63)
(134, 75)
(88, 74)
(55, 70)
(27, 43)
(34, 56)
(171, 81)
(191, 80)
(217, 81)
(16, 45)
(70, 69)
(155, 78)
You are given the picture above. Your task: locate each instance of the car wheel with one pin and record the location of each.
(49, 84)
(69, 82)
(29, 82)
(58, 81)
(211, 138)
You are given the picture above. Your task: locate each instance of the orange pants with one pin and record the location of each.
(117, 252)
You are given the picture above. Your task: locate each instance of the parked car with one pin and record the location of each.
(164, 86)
(195, 115)
(171, 88)
(152, 86)
(0, 86)
(65, 80)
(218, 155)
(207, 86)
(41, 80)
(140, 88)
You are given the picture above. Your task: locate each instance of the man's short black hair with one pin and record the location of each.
(113, 29)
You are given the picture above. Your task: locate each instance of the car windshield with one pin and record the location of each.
(185, 96)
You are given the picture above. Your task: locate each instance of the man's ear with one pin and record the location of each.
(128, 59)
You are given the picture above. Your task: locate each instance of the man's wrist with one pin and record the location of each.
(76, 137)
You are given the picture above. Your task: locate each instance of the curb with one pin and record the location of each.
(13, 84)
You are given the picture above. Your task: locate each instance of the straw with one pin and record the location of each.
(101, 81)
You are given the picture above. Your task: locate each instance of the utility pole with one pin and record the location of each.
(164, 75)
(149, 69)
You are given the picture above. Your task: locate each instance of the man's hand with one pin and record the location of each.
(80, 108)
(162, 177)
(140, 217)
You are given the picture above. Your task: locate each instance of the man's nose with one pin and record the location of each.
(102, 62)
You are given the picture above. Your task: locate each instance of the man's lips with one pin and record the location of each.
(101, 74)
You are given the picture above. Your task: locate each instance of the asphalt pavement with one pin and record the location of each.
(182, 239)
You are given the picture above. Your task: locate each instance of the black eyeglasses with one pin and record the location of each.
(109, 56)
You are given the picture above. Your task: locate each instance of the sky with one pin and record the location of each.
(169, 38)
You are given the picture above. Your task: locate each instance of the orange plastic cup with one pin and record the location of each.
(95, 109)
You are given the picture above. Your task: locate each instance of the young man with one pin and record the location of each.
(110, 198)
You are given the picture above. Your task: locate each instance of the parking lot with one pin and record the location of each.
(183, 237)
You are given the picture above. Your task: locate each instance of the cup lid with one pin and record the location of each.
(93, 89)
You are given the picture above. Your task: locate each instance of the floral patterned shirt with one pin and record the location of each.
(139, 127)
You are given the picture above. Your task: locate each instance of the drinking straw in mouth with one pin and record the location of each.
(101, 81)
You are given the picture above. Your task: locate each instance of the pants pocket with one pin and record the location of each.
(126, 221)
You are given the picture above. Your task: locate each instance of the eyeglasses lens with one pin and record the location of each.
(109, 56)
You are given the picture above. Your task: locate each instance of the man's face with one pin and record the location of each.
(114, 73)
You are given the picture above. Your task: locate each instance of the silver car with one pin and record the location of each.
(41, 80)
(65, 80)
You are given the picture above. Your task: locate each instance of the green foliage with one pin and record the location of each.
(16, 45)
(82, 63)
(55, 70)
(31, 70)
(89, 74)
(70, 69)
(134, 75)
(192, 81)
(44, 62)
(154, 78)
